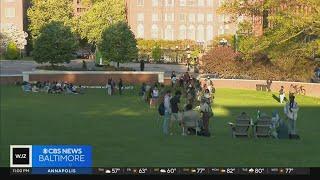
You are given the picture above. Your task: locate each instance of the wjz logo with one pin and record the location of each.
(20, 156)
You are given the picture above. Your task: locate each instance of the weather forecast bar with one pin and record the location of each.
(165, 171)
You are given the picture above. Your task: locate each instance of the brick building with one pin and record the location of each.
(177, 19)
(13, 12)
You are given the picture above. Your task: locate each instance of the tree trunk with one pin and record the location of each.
(118, 64)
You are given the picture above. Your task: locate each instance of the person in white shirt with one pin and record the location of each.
(154, 97)
(282, 94)
(173, 79)
(167, 112)
(291, 111)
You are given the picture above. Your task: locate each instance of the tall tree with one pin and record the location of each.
(100, 16)
(55, 44)
(156, 53)
(43, 12)
(118, 43)
(291, 27)
(13, 34)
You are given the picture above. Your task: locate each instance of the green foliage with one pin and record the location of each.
(12, 51)
(118, 43)
(100, 16)
(55, 44)
(291, 32)
(156, 53)
(42, 12)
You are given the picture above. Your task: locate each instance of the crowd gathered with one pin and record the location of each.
(56, 87)
(187, 103)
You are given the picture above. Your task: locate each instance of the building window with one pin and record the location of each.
(169, 17)
(221, 30)
(183, 3)
(200, 3)
(10, 12)
(155, 3)
(209, 17)
(192, 17)
(168, 33)
(155, 17)
(140, 2)
(191, 3)
(140, 17)
(169, 3)
(182, 17)
(210, 3)
(182, 32)
(191, 33)
(140, 33)
(209, 33)
(200, 34)
(222, 18)
(154, 32)
(200, 17)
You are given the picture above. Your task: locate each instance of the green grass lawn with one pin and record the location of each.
(123, 131)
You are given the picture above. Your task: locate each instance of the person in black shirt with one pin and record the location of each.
(174, 103)
(120, 86)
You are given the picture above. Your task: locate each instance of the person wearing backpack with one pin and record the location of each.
(165, 111)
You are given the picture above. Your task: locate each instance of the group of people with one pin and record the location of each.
(193, 117)
(111, 87)
(56, 87)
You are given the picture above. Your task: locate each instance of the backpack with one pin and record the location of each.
(161, 109)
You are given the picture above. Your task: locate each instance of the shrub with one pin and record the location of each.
(12, 51)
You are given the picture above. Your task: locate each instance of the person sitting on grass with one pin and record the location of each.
(35, 88)
(190, 120)
(26, 87)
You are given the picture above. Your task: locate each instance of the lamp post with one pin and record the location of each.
(177, 48)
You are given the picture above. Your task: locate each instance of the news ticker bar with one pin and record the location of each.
(165, 171)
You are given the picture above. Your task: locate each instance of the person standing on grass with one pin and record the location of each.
(174, 103)
(291, 111)
(167, 112)
(206, 112)
(120, 86)
(108, 86)
(282, 94)
(173, 79)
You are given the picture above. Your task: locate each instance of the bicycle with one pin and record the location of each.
(299, 90)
